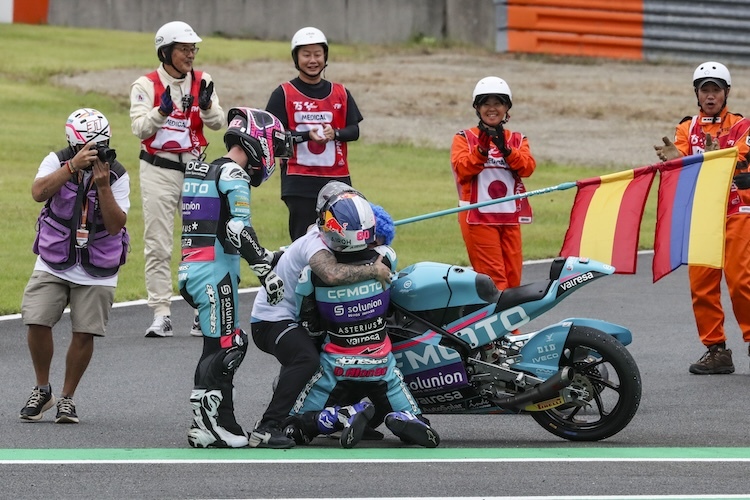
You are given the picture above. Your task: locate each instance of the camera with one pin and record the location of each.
(105, 153)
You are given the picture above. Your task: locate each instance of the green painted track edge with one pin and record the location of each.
(372, 454)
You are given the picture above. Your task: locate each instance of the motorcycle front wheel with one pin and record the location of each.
(608, 384)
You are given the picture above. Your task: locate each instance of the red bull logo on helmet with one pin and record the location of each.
(331, 224)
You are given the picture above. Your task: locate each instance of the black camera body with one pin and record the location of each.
(105, 153)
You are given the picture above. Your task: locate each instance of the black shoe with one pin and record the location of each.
(269, 435)
(66, 411)
(39, 402)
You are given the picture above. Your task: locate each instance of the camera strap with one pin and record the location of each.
(82, 233)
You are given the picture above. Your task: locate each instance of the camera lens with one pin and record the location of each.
(106, 154)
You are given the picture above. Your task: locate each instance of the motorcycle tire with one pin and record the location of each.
(609, 382)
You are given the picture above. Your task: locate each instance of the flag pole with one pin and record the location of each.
(559, 187)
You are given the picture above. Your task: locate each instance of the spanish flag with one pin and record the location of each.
(691, 211)
(605, 220)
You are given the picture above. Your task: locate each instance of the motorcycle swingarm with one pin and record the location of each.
(494, 382)
(487, 372)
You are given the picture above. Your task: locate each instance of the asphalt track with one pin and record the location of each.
(689, 439)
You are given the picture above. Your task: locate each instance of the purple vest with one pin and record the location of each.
(60, 218)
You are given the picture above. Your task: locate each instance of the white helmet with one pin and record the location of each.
(85, 125)
(308, 36)
(712, 72)
(492, 85)
(171, 33)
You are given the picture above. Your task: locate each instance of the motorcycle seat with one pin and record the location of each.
(511, 297)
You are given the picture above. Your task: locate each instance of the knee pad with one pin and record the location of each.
(220, 360)
(235, 351)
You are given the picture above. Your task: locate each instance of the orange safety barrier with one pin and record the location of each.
(30, 11)
(594, 28)
(610, 5)
(593, 22)
(575, 45)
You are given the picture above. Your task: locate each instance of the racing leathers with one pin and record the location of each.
(705, 283)
(492, 233)
(356, 359)
(216, 231)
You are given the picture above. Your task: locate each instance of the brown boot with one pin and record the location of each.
(716, 361)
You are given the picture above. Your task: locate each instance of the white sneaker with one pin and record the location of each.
(161, 327)
(195, 330)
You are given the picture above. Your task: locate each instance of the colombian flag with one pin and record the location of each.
(691, 211)
(605, 220)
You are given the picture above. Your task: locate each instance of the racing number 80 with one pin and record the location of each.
(363, 235)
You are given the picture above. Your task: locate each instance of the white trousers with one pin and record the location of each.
(161, 194)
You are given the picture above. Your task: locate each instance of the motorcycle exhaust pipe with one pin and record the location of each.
(538, 397)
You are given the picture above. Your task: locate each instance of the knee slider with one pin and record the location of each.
(234, 354)
(220, 360)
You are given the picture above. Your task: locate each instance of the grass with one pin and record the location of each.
(407, 181)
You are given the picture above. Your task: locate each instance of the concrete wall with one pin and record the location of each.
(364, 21)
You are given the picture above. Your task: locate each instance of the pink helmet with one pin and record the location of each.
(263, 138)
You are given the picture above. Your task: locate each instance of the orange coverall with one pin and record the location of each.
(705, 282)
(494, 247)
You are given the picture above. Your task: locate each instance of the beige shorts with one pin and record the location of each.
(46, 297)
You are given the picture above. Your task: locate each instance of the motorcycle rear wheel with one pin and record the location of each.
(609, 377)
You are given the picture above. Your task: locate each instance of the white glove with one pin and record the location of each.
(668, 151)
(711, 145)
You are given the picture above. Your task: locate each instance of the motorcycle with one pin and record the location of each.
(456, 340)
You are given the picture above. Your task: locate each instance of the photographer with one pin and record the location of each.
(81, 243)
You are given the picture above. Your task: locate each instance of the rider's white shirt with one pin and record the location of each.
(295, 258)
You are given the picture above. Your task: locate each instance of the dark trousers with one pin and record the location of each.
(290, 343)
(301, 214)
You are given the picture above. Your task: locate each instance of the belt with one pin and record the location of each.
(158, 161)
